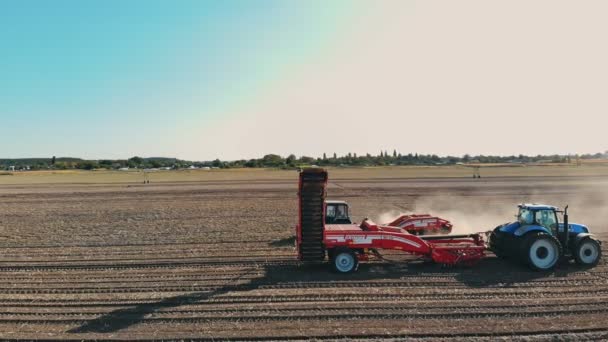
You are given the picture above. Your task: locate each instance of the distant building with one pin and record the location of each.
(11, 168)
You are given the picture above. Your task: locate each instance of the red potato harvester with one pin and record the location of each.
(346, 243)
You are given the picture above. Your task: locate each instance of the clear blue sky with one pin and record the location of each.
(112, 78)
(229, 79)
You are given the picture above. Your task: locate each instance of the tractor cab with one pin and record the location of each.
(336, 212)
(539, 215)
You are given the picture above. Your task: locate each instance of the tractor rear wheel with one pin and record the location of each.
(587, 252)
(344, 260)
(541, 251)
(497, 243)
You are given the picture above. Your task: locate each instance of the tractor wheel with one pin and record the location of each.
(344, 260)
(496, 245)
(587, 252)
(541, 251)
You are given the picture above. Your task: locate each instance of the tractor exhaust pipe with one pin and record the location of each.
(565, 232)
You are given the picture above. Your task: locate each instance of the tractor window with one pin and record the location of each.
(337, 214)
(525, 216)
(342, 212)
(331, 211)
(546, 218)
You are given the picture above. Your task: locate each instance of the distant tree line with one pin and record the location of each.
(77, 163)
(291, 161)
(396, 158)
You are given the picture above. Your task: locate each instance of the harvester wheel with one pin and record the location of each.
(541, 251)
(344, 260)
(587, 252)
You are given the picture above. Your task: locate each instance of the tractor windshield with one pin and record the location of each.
(525, 216)
(337, 214)
(546, 218)
(330, 212)
(342, 212)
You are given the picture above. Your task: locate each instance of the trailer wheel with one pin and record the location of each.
(542, 251)
(344, 260)
(587, 252)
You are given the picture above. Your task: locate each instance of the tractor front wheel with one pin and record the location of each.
(344, 260)
(587, 252)
(542, 251)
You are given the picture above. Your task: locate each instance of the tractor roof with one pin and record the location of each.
(335, 202)
(536, 206)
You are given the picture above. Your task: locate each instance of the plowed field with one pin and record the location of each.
(215, 259)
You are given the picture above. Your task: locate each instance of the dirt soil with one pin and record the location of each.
(215, 260)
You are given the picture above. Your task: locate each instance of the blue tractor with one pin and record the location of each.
(539, 240)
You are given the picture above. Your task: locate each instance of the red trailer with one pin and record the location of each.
(347, 244)
(337, 212)
(420, 224)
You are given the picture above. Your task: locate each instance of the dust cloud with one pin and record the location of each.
(480, 212)
(467, 214)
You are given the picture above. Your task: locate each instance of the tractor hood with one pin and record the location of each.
(576, 228)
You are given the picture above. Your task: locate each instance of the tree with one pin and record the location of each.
(106, 164)
(324, 156)
(156, 164)
(61, 165)
(136, 161)
(87, 165)
(307, 160)
(290, 160)
(53, 161)
(252, 163)
(272, 160)
(394, 153)
(335, 155)
(216, 163)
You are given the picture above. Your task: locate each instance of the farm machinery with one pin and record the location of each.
(346, 243)
(323, 232)
(539, 240)
(336, 212)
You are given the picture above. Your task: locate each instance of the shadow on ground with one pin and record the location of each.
(286, 242)
(490, 272)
